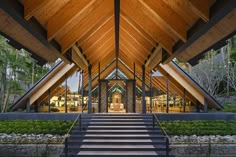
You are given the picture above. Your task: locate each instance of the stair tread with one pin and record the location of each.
(119, 123)
(124, 140)
(123, 131)
(125, 153)
(118, 146)
(127, 119)
(118, 126)
(122, 135)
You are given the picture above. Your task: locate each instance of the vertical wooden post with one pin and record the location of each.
(134, 92)
(90, 89)
(82, 91)
(28, 105)
(205, 105)
(198, 107)
(150, 91)
(99, 90)
(167, 95)
(184, 100)
(143, 90)
(49, 100)
(65, 93)
(134, 71)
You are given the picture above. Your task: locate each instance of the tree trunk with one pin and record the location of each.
(5, 104)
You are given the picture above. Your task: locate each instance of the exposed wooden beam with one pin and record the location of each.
(134, 29)
(201, 8)
(78, 31)
(71, 14)
(117, 27)
(52, 81)
(97, 33)
(32, 7)
(138, 15)
(15, 14)
(205, 29)
(162, 12)
(150, 59)
(77, 50)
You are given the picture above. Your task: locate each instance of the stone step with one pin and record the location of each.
(119, 147)
(118, 117)
(117, 120)
(118, 153)
(118, 141)
(117, 123)
(127, 131)
(117, 136)
(119, 127)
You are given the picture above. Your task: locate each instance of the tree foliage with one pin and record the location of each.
(18, 72)
(216, 72)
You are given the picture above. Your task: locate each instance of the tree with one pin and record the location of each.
(232, 76)
(18, 72)
(209, 73)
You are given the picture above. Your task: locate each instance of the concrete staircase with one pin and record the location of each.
(116, 135)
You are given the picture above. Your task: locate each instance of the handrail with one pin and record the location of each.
(68, 132)
(159, 123)
(163, 130)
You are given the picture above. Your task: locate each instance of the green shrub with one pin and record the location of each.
(200, 127)
(35, 126)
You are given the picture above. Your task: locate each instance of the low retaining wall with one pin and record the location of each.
(204, 150)
(161, 116)
(30, 150)
(180, 150)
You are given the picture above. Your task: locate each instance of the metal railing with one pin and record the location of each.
(77, 119)
(154, 120)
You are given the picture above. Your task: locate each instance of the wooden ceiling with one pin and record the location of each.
(149, 31)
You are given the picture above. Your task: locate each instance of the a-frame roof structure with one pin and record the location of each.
(141, 32)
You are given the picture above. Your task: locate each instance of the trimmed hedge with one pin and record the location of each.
(54, 127)
(200, 127)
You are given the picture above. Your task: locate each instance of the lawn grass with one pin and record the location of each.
(200, 127)
(54, 127)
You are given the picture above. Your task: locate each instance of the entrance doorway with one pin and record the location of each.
(117, 96)
(116, 104)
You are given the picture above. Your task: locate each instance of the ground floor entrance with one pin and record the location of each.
(117, 96)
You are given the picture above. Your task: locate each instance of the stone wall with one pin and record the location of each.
(203, 150)
(179, 150)
(30, 150)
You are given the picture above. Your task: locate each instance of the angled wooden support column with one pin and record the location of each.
(155, 58)
(90, 89)
(143, 90)
(80, 54)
